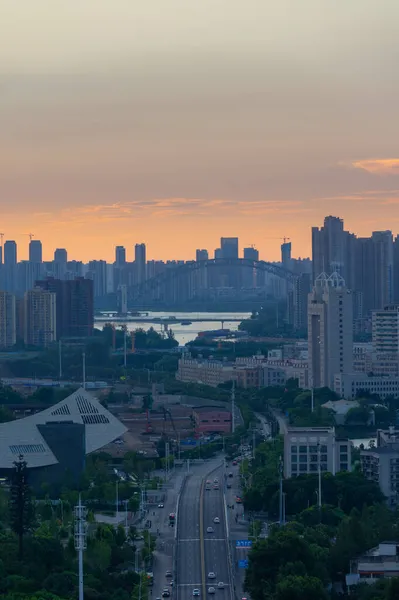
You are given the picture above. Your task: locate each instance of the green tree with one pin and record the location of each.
(21, 507)
(296, 587)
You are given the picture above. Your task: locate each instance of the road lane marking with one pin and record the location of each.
(202, 546)
(189, 585)
(190, 540)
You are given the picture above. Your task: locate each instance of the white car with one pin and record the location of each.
(211, 590)
(220, 585)
(216, 520)
(160, 505)
(210, 530)
(211, 575)
(196, 592)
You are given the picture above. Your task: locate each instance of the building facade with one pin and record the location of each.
(209, 372)
(8, 320)
(348, 385)
(307, 447)
(330, 330)
(40, 318)
(212, 420)
(381, 464)
(385, 330)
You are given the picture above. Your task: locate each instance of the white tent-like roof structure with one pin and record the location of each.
(22, 437)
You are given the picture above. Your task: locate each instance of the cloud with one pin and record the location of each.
(380, 166)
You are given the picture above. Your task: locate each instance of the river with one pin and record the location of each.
(184, 333)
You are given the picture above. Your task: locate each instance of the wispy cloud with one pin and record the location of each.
(378, 166)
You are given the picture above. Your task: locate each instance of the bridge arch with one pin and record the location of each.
(170, 275)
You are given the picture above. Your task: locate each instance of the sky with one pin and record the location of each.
(177, 122)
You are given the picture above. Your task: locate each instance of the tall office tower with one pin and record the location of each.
(201, 255)
(27, 273)
(331, 250)
(396, 270)
(120, 256)
(249, 274)
(330, 330)
(10, 266)
(229, 247)
(140, 262)
(286, 255)
(382, 278)
(40, 318)
(8, 328)
(35, 251)
(60, 263)
(97, 271)
(300, 293)
(385, 330)
(251, 253)
(79, 307)
(74, 305)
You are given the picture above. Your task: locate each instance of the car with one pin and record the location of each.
(211, 590)
(211, 575)
(171, 583)
(238, 500)
(208, 481)
(216, 480)
(220, 585)
(228, 486)
(209, 530)
(158, 598)
(161, 505)
(165, 593)
(168, 574)
(196, 592)
(216, 520)
(234, 463)
(230, 474)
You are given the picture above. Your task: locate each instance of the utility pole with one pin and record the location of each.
(80, 540)
(280, 468)
(253, 444)
(126, 502)
(166, 460)
(117, 499)
(233, 397)
(178, 445)
(312, 398)
(84, 370)
(60, 357)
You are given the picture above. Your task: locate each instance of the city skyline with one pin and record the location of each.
(162, 120)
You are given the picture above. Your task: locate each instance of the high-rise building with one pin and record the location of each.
(40, 318)
(140, 262)
(330, 330)
(385, 330)
(120, 256)
(98, 273)
(300, 293)
(201, 255)
(61, 255)
(10, 266)
(229, 247)
(382, 277)
(60, 263)
(286, 255)
(396, 270)
(218, 253)
(251, 253)
(74, 306)
(331, 249)
(7, 320)
(35, 251)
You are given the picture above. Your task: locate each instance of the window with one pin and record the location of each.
(303, 458)
(313, 449)
(294, 449)
(303, 449)
(294, 458)
(27, 449)
(303, 468)
(94, 419)
(313, 467)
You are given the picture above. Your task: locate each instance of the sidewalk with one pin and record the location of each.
(159, 517)
(238, 529)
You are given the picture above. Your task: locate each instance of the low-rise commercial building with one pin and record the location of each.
(340, 409)
(347, 385)
(206, 371)
(307, 447)
(209, 419)
(381, 464)
(377, 563)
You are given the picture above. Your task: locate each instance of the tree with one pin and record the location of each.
(296, 587)
(21, 507)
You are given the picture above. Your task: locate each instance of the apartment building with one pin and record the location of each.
(40, 318)
(348, 385)
(8, 325)
(377, 563)
(306, 447)
(381, 464)
(385, 330)
(206, 371)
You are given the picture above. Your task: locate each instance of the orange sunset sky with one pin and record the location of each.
(175, 122)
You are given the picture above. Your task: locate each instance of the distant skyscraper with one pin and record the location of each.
(61, 256)
(201, 255)
(60, 263)
(140, 262)
(286, 255)
(330, 248)
(382, 278)
(7, 320)
(35, 251)
(10, 266)
(40, 318)
(251, 253)
(120, 256)
(330, 330)
(218, 253)
(229, 247)
(98, 273)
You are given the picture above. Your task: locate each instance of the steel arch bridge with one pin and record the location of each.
(178, 282)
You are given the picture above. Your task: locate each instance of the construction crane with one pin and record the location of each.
(2, 238)
(166, 414)
(285, 239)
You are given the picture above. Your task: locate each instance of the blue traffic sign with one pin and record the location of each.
(242, 564)
(243, 543)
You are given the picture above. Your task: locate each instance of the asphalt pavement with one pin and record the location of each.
(216, 543)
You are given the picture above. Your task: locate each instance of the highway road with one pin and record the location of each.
(188, 547)
(216, 544)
